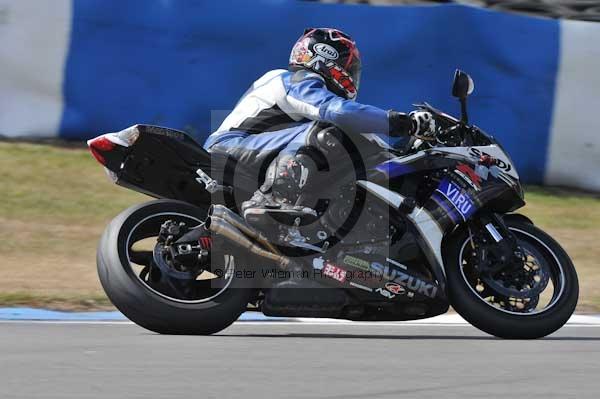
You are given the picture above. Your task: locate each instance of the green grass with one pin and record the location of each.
(562, 208)
(46, 183)
(56, 202)
(573, 219)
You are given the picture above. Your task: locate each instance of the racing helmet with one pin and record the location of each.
(332, 54)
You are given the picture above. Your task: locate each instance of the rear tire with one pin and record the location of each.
(146, 307)
(503, 324)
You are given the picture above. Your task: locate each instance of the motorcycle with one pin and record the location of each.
(396, 233)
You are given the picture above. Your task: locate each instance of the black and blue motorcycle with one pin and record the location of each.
(395, 233)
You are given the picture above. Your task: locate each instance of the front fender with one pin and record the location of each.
(516, 217)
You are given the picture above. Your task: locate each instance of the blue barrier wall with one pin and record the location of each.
(176, 63)
(171, 63)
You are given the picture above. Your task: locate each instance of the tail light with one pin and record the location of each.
(107, 142)
(99, 145)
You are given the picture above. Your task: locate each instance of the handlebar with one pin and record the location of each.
(452, 133)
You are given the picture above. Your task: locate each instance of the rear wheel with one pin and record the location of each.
(531, 300)
(136, 276)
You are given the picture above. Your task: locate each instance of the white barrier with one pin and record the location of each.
(34, 39)
(574, 149)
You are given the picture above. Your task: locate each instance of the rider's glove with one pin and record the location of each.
(417, 123)
(423, 125)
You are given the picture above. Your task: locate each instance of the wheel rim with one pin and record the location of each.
(543, 254)
(205, 287)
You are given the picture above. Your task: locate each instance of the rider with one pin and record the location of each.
(284, 108)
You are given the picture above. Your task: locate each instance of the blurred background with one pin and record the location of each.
(584, 10)
(73, 69)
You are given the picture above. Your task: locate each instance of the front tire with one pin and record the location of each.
(148, 307)
(499, 322)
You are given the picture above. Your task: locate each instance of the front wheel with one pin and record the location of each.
(528, 300)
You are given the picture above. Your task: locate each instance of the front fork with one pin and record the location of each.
(495, 231)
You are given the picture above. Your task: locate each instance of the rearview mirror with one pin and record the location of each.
(463, 85)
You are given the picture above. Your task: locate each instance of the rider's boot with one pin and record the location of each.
(277, 200)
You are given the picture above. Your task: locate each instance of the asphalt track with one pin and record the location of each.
(293, 360)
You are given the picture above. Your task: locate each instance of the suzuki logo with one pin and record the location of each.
(412, 283)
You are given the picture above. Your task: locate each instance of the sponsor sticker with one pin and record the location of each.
(458, 197)
(326, 51)
(477, 153)
(161, 131)
(385, 293)
(357, 262)
(318, 263)
(394, 288)
(411, 283)
(336, 273)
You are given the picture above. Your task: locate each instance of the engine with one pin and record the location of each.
(355, 217)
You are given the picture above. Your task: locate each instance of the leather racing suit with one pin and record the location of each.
(279, 111)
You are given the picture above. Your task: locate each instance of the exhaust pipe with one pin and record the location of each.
(221, 212)
(227, 230)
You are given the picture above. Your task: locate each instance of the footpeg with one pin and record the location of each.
(296, 216)
(210, 184)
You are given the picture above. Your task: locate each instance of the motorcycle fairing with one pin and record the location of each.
(160, 162)
(499, 188)
(401, 166)
(459, 194)
(426, 229)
